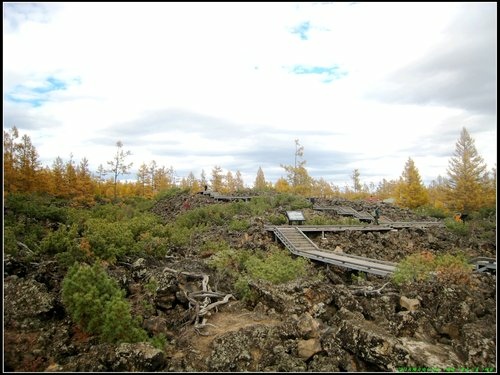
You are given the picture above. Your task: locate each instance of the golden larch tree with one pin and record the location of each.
(297, 174)
(230, 183)
(10, 173)
(27, 164)
(144, 181)
(260, 180)
(466, 175)
(84, 183)
(490, 189)
(164, 178)
(282, 185)
(386, 189)
(117, 166)
(71, 178)
(240, 185)
(191, 183)
(438, 193)
(412, 192)
(216, 182)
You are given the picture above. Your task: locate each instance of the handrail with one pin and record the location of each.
(369, 265)
(353, 262)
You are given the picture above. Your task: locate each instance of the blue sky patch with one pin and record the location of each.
(50, 84)
(16, 98)
(328, 73)
(302, 30)
(36, 95)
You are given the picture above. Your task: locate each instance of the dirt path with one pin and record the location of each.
(224, 322)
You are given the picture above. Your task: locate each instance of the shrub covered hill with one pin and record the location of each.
(188, 283)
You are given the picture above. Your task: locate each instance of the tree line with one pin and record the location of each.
(467, 186)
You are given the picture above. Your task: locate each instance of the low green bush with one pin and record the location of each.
(239, 225)
(453, 269)
(36, 207)
(159, 341)
(97, 304)
(243, 290)
(142, 223)
(415, 267)
(458, 227)
(59, 241)
(424, 266)
(148, 244)
(438, 213)
(277, 219)
(27, 232)
(213, 247)
(109, 240)
(180, 236)
(229, 261)
(277, 266)
(10, 242)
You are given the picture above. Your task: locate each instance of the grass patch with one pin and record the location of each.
(424, 266)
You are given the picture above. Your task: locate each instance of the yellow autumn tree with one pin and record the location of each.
(144, 181)
(322, 189)
(85, 184)
(297, 175)
(282, 185)
(164, 178)
(100, 180)
(358, 190)
(230, 183)
(117, 166)
(466, 175)
(21, 166)
(438, 193)
(217, 182)
(412, 192)
(45, 180)
(27, 164)
(71, 178)
(190, 182)
(10, 173)
(260, 180)
(490, 189)
(58, 185)
(238, 181)
(386, 189)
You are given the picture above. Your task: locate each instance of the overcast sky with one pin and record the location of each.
(196, 85)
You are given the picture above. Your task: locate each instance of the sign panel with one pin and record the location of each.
(295, 216)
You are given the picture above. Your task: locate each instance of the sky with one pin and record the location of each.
(193, 86)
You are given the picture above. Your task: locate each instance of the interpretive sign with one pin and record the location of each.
(297, 216)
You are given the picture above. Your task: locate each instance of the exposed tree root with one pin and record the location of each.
(368, 290)
(200, 302)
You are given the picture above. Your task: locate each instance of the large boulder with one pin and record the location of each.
(25, 299)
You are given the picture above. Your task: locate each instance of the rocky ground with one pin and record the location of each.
(341, 322)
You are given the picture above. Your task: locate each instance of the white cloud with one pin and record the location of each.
(231, 64)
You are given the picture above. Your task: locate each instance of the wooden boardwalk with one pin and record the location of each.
(299, 244)
(383, 227)
(348, 211)
(484, 264)
(219, 197)
(296, 241)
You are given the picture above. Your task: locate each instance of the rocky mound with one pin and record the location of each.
(341, 322)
